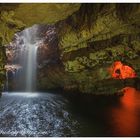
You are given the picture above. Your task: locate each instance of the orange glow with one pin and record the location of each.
(129, 100)
(126, 116)
(120, 71)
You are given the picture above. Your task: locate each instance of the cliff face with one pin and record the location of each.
(2, 67)
(88, 39)
(96, 36)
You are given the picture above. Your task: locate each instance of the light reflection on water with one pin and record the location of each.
(35, 114)
(126, 116)
(56, 116)
(23, 94)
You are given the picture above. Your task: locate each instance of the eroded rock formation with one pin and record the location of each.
(94, 38)
(88, 39)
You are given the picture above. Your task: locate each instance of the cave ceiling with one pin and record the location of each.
(16, 17)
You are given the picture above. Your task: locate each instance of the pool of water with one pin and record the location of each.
(52, 115)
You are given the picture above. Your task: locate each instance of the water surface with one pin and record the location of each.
(45, 114)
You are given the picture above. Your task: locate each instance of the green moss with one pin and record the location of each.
(47, 13)
(16, 17)
(136, 45)
(9, 26)
(104, 26)
(73, 66)
(2, 69)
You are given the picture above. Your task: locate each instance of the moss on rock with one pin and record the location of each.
(91, 37)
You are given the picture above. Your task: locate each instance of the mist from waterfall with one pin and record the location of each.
(27, 42)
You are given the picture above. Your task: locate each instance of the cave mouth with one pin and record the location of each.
(120, 71)
(75, 51)
(36, 48)
(74, 54)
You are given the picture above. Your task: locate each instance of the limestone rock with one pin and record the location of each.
(89, 39)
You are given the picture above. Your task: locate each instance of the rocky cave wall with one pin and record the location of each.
(93, 38)
(90, 38)
(90, 41)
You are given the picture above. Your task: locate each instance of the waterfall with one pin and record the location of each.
(31, 62)
(6, 87)
(31, 69)
(27, 43)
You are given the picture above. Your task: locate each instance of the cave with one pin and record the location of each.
(69, 69)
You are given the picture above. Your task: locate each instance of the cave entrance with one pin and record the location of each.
(127, 75)
(121, 71)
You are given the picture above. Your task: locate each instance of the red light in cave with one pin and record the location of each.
(125, 116)
(120, 71)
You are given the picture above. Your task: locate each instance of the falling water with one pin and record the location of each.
(6, 87)
(31, 63)
(26, 80)
(31, 69)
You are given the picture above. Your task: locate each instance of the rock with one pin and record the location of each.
(88, 39)
(15, 17)
(0, 94)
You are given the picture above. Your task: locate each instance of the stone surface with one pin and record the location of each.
(15, 17)
(89, 39)
(104, 33)
(2, 67)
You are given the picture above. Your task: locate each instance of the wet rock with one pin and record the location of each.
(88, 38)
